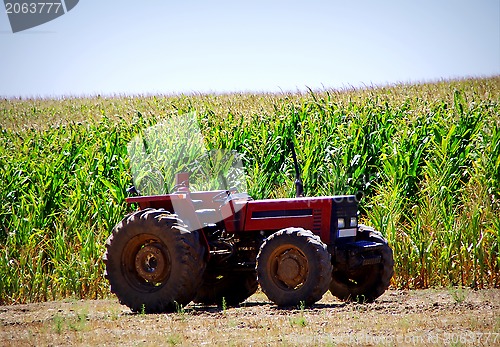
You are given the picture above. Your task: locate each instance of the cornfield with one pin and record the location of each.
(426, 159)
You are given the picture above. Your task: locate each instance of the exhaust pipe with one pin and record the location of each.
(299, 187)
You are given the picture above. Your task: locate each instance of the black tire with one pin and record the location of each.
(366, 283)
(294, 266)
(233, 287)
(153, 263)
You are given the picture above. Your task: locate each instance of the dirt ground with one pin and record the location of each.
(434, 317)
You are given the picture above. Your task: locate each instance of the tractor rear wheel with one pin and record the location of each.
(232, 287)
(294, 266)
(153, 263)
(365, 283)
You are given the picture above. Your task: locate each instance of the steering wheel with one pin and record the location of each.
(178, 186)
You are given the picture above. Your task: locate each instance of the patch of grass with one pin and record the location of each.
(63, 323)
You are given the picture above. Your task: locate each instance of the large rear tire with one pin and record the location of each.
(294, 266)
(366, 283)
(232, 287)
(153, 263)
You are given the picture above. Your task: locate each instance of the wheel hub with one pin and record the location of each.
(151, 263)
(292, 268)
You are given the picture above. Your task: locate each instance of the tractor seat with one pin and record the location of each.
(208, 216)
(197, 203)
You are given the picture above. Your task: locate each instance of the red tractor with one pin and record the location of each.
(217, 246)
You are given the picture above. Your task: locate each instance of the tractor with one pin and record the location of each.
(215, 247)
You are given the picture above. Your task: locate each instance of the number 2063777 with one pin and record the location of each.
(33, 7)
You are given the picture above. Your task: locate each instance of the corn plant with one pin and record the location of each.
(426, 159)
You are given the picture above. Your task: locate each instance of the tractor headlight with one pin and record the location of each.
(341, 223)
(353, 222)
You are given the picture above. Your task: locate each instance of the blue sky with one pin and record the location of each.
(159, 46)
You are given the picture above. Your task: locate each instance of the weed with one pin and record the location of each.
(302, 306)
(79, 323)
(114, 314)
(174, 340)
(58, 324)
(459, 294)
(180, 310)
(361, 299)
(232, 323)
(299, 320)
(224, 305)
(405, 324)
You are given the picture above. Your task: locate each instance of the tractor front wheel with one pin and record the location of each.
(365, 283)
(153, 263)
(294, 266)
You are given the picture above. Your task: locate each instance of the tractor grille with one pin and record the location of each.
(317, 221)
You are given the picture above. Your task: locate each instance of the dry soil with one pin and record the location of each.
(434, 317)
